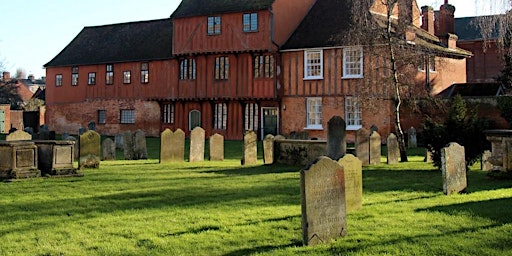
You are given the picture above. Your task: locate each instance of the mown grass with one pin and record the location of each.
(222, 208)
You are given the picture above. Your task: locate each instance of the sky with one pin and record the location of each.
(32, 32)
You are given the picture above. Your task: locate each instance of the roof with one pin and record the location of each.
(133, 41)
(473, 90)
(191, 8)
(467, 28)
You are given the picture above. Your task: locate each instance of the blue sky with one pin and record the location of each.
(32, 32)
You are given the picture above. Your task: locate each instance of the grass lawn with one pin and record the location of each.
(222, 208)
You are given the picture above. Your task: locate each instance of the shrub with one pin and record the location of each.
(505, 107)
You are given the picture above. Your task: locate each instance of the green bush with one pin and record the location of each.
(505, 107)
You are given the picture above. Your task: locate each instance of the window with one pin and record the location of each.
(314, 113)
(168, 113)
(127, 77)
(264, 66)
(92, 79)
(421, 65)
(58, 80)
(221, 68)
(188, 69)
(250, 22)
(144, 73)
(353, 62)
(313, 68)
(220, 117)
(109, 77)
(214, 25)
(251, 117)
(74, 76)
(127, 116)
(102, 116)
(432, 64)
(353, 115)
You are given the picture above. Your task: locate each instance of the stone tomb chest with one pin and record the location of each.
(18, 159)
(55, 157)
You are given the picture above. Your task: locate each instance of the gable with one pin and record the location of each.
(191, 8)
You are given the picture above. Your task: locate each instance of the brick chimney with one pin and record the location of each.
(6, 76)
(445, 19)
(427, 15)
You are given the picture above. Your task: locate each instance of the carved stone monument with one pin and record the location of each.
(453, 166)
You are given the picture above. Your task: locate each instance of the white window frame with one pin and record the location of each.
(353, 114)
(310, 63)
(348, 71)
(127, 116)
(220, 116)
(314, 113)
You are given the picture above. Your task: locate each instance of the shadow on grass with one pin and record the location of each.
(262, 249)
(256, 170)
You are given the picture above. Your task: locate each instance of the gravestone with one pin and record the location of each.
(56, 157)
(363, 146)
(178, 146)
(30, 131)
(268, 149)
(140, 150)
(18, 159)
(128, 145)
(323, 202)
(64, 135)
(81, 130)
(109, 149)
(119, 141)
(393, 153)
(250, 151)
(44, 132)
(428, 157)
(453, 166)
(375, 148)
(336, 144)
(165, 146)
(89, 150)
(374, 128)
(413, 141)
(77, 147)
(197, 137)
(91, 126)
(353, 182)
(216, 147)
(485, 165)
(18, 135)
(279, 137)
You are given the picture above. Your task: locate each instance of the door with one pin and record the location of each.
(194, 119)
(270, 121)
(2, 121)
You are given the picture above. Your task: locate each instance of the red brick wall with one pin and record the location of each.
(485, 65)
(7, 121)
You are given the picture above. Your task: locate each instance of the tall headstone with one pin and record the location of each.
(90, 150)
(375, 148)
(413, 141)
(216, 147)
(363, 146)
(250, 153)
(118, 139)
(128, 145)
(268, 149)
(165, 146)
(336, 143)
(109, 149)
(140, 150)
(18, 135)
(178, 146)
(197, 141)
(453, 166)
(353, 182)
(393, 153)
(323, 202)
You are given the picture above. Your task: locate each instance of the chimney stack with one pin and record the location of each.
(405, 12)
(445, 19)
(427, 13)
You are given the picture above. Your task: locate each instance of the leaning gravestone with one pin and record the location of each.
(363, 145)
(268, 149)
(336, 144)
(453, 165)
(128, 145)
(140, 150)
(197, 142)
(485, 165)
(109, 149)
(250, 153)
(393, 153)
(18, 135)
(89, 150)
(353, 182)
(413, 141)
(323, 202)
(216, 147)
(375, 148)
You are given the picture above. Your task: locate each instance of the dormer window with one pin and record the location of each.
(214, 25)
(250, 22)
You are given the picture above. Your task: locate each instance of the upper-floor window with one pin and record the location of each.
(58, 80)
(313, 64)
(430, 61)
(220, 116)
(353, 115)
(74, 76)
(127, 77)
(188, 69)
(222, 68)
(144, 72)
(109, 76)
(214, 25)
(353, 62)
(91, 80)
(250, 22)
(263, 66)
(314, 113)
(127, 116)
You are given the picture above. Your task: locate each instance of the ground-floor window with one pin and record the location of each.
(220, 116)
(194, 119)
(102, 116)
(127, 116)
(251, 117)
(168, 113)
(353, 114)
(314, 113)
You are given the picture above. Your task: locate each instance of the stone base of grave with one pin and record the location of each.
(56, 157)
(18, 160)
(90, 162)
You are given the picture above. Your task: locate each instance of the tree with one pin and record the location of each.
(20, 73)
(9, 95)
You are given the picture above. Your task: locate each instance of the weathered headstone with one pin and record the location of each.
(56, 157)
(119, 141)
(216, 147)
(178, 146)
(140, 150)
(77, 146)
(89, 150)
(250, 153)
(18, 135)
(268, 149)
(18, 159)
(428, 156)
(279, 137)
(165, 146)
(30, 130)
(375, 148)
(485, 165)
(128, 145)
(413, 141)
(323, 202)
(363, 146)
(91, 126)
(353, 181)
(453, 166)
(109, 149)
(393, 153)
(197, 137)
(374, 128)
(336, 143)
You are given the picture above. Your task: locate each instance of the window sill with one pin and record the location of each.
(352, 77)
(313, 78)
(353, 127)
(313, 128)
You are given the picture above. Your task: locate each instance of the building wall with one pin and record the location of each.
(6, 108)
(486, 63)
